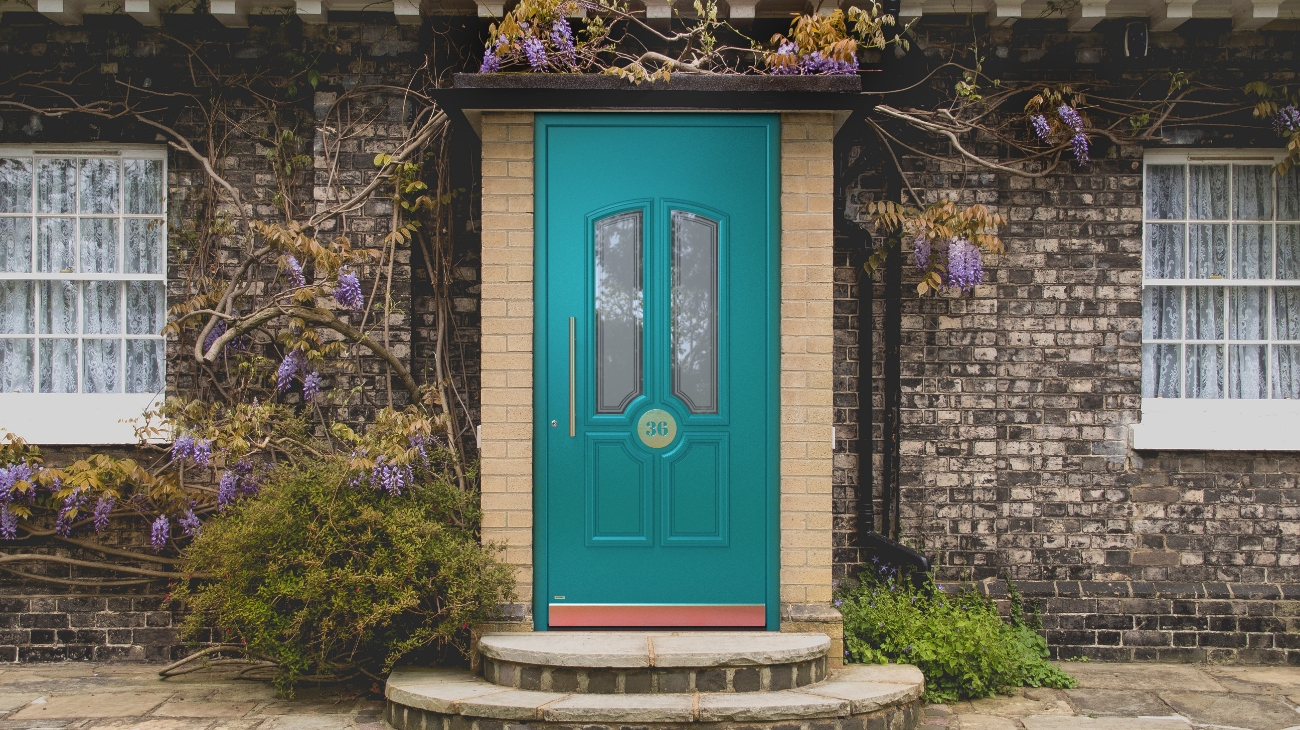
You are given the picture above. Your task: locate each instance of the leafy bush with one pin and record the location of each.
(960, 642)
(329, 571)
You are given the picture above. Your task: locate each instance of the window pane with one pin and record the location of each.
(1209, 194)
(58, 366)
(695, 311)
(1204, 371)
(1165, 191)
(1288, 195)
(144, 366)
(1246, 374)
(56, 186)
(58, 307)
(1286, 313)
(56, 244)
(1204, 313)
(101, 365)
(1249, 307)
(146, 307)
(143, 189)
(1286, 371)
(144, 247)
(1252, 253)
(1288, 252)
(15, 366)
(101, 308)
(1160, 371)
(1162, 312)
(99, 186)
(15, 186)
(16, 244)
(98, 245)
(1165, 251)
(1208, 252)
(1252, 192)
(16, 315)
(619, 311)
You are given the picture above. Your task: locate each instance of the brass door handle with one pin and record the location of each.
(573, 411)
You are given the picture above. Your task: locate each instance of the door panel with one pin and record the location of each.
(662, 504)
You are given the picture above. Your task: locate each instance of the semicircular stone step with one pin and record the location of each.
(648, 662)
(858, 697)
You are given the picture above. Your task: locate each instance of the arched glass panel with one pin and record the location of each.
(695, 311)
(619, 311)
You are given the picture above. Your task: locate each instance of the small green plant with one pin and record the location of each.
(960, 642)
(344, 565)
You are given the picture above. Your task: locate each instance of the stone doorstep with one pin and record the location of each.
(855, 690)
(636, 649)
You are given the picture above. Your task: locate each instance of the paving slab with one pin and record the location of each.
(865, 697)
(82, 706)
(1053, 722)
(436, 690)
(887, 673)
(151, 724)
(1244, 711)
(1127, 702)
(1107, 675)
(621, 708)
(768, 706)
(1257, 680)
(13, 700)
(986, 722)
(209, 709)
(1016, 705)
(737, 648)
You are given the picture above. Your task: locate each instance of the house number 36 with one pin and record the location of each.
(657, 428)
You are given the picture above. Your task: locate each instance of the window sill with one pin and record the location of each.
(1175, 424)
(74, 418)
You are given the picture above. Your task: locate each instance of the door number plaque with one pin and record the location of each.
(657, 428)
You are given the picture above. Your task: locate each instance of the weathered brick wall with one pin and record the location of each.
(1016, 398)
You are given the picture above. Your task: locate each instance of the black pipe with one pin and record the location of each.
(866, 443)
(893, 386)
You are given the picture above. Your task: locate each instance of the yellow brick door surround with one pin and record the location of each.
(806, 329)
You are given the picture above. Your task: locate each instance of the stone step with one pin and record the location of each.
(853, 698)
(649, 662)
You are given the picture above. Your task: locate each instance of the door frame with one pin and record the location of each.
(543, 122)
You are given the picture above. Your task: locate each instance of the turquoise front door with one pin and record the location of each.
(656, 372)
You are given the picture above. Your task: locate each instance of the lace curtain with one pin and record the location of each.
(98, 330)
(1231, 327)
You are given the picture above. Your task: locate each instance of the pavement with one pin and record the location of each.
(1110, 697)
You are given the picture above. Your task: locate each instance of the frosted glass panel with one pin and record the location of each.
(16, 315)
(101, 308)
(143, 189)
(144, 248)
(101, 366)
(15, 366)
(99, 186)
(1252, 192)
(695, 311)
(1209, 195)
(144, 366)
(1165, 251)
(56, 186)
(619, 311)
(1166, 191)
(15, 186)
(16, 244)
(58, 307)
(56, 244)
(98, 245)
(146, 307)
(58, 366)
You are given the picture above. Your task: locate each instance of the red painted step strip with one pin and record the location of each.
(579, 615)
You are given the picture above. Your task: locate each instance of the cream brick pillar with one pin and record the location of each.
(807, 337)
(507, 367)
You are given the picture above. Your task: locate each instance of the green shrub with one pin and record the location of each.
(326, 574)
(964, 648)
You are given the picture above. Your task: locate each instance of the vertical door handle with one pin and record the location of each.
(573, 411)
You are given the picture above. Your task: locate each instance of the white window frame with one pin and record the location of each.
(1215, 424)
(85, 418)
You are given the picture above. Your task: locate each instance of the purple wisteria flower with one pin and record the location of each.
(1070, 116)
(160, 533)
(103, 508)
(1287, 120)
(294, 271)
(535, 51)
(235, 483)
(311, 386)
(1041, 127)
(391, 478)
(217, 330)
(197, 450)
(72, 504)
(965, 265)
(1079, 143)
(921, 253)
(348, 292)
(812, 64)
(190, 523)
(10, 476)
(562, 39)
(293, 362)
(8, 523)
(491, 62)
